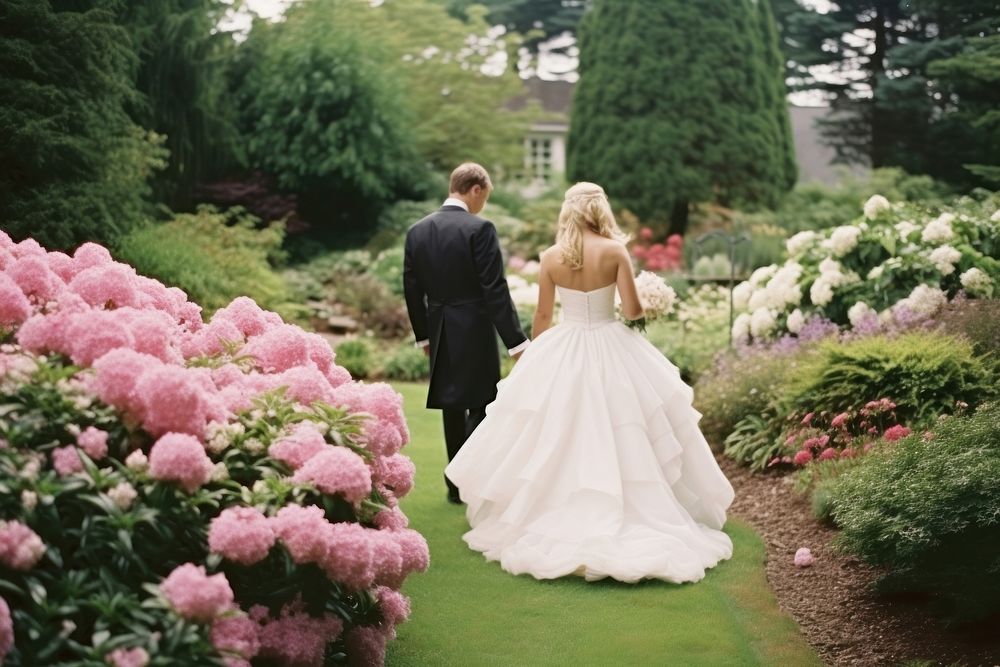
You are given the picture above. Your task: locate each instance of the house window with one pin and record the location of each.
(540, 158)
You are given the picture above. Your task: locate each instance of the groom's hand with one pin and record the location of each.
(517, 356)
(427, 351)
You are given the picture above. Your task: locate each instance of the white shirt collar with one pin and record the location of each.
(451, 201)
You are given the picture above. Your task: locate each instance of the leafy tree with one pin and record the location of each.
(451, 73)
(73, 165)
(972, 79)
(324, 114)
(874, 60)
(680, 103)
(181, 78)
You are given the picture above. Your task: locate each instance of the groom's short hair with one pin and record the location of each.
(468, 174)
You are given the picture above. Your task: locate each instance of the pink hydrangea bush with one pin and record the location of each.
(177, 466)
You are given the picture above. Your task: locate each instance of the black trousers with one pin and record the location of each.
(459, 423)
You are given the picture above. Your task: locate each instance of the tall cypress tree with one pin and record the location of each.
(680, 103)
(73, 166)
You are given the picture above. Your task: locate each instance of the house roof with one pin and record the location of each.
(556, 97)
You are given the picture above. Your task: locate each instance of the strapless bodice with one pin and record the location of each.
(588, 308)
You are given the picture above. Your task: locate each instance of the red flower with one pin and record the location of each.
(802, 457)
(808, 418)
(896, 432)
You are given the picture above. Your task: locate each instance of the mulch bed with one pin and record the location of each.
(845, 622)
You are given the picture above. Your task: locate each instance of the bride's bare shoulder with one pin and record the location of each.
(550, 255)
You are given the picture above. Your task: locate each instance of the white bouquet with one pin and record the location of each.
(655, 295)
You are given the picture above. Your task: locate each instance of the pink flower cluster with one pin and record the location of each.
(386, 432)
(195, 595)
(667, 256)
(803, 557)
(820, 437)
(350, 554)
(20, 547)
(128, 657)
(144, 349)
(295, 637)
(180, 458)
(337, 471)
(241, 534)
(6, 630)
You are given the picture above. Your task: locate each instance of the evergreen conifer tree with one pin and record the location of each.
(73, 166)
(680, 102)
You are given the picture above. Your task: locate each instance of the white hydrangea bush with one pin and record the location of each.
(895, 257)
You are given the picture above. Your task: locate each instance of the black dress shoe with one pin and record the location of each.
(454, 498)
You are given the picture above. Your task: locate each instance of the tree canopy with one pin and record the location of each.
(680, 103)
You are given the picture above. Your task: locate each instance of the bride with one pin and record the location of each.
(590, 460)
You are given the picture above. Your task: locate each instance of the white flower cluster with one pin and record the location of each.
(924, 299)
(939, 229)
(831, 275)
(704, 308)
(796, 320)
(781, 290)
(221, 434)
(799, 243)
(843, 240)
(655, 295)
(859, 313)
(977, 282)
(905, 228)
(875, 205)
(944, 259)
(522, 293)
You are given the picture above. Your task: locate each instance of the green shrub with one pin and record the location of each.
(924, 373)
(408, 364)
(822, 501)
(740, 386)
(927, 508)
(214, 256)
(755, 439)
(356, 357)
(388, 267)
(818, 206)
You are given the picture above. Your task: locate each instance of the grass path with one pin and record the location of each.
(469, 612)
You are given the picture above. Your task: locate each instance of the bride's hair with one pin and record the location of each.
(585, 205)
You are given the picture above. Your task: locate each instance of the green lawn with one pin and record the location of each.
(469, 612)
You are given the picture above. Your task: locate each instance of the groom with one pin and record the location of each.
(457, 298)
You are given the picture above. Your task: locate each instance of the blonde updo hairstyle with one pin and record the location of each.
(585, 205)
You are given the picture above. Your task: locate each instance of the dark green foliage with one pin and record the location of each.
(913, 82)
(973, 78)
(927, 509)
(73, 165)
(408, 364)
(925, 374)
(322, 113)
(356, 357)
(680, 103)
(181, 80)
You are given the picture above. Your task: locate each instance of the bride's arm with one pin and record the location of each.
(631, 306)
(546, 301)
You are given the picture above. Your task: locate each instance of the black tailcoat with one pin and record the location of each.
(457, 297)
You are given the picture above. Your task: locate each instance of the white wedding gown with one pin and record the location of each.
(590, 461)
